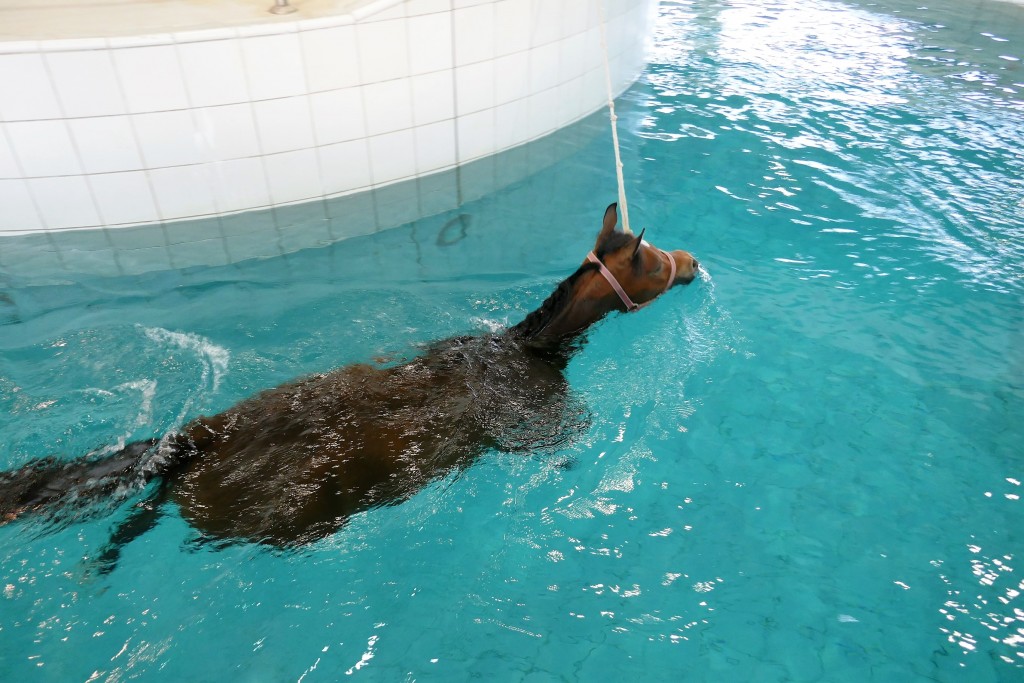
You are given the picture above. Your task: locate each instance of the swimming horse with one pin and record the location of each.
(292, 464)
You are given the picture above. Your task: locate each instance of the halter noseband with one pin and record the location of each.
(630, 306)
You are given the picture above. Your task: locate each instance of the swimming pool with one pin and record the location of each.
(806, 467)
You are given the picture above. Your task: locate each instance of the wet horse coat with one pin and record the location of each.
(291, 464)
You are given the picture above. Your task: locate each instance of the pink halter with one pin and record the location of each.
(630, 306)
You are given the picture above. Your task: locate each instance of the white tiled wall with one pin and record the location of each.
(156, 129)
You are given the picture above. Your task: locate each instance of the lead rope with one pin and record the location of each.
(614, 118)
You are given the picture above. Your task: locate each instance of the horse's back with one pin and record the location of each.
(291, 464)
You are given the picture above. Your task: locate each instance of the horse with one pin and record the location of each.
(290, 465)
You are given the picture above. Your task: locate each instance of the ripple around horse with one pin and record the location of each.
(292, 464)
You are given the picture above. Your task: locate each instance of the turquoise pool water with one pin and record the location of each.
(806, 467)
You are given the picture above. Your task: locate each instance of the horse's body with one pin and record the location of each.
(291, 464)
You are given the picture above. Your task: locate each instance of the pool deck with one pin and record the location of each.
(22, 20)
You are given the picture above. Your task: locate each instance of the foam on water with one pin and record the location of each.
(214, 358)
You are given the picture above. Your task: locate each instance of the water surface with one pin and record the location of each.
(805, 467)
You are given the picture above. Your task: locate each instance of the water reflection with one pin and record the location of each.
(828, 97)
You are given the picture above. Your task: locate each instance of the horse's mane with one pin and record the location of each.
(552, 306)
(536, 321)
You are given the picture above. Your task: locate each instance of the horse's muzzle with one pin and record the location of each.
(687, 268)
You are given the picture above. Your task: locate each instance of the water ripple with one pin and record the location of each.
(840, 93)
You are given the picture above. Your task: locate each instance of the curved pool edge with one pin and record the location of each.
(124, 131)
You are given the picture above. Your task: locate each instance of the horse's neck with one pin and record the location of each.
(562, 318)
(555, 339)
(571, 322)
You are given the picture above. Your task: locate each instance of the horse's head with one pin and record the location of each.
(635, 271)
(623, 272)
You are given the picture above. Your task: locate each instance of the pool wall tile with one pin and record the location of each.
(544, 22)
(433, 97)
(137, 261)
(474, 87)
(134, 238)
(430, 38)
(19, 214)
(338, 115)
(209, 252)
(512, 22)
(105, 144)
(396, 204)
(477, 179)
(435, 147)
(509, 119)
(28, 76)
(44, 148)
(8, 164)
(352, 216)
(273, 66)
(474, 34)
(392, 157)
(75, 202)
(249, 246)
(383, 50)
(168, 138)
(226, 132)
(345, 166)
(150, 78)
(86, 83)
(214, 72)
(544, 67)
(293, 176)
(476, 134)
(437, 193)
(183, 192)
(186, 125)
(240, 184)
(284, 124)
(388, 106)
(511, 77)
(247, 222)
(330, 58)
(123, 197)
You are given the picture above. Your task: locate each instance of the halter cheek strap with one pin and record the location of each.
(630, 306)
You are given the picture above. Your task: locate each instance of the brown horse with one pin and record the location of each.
(291, 464)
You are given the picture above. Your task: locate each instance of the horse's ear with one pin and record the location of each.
(608, 226)
(638, 243)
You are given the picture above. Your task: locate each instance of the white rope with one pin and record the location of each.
(611, 114)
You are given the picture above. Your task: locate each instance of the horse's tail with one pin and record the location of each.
(48, 481)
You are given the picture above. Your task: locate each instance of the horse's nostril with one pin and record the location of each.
(696, 263)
